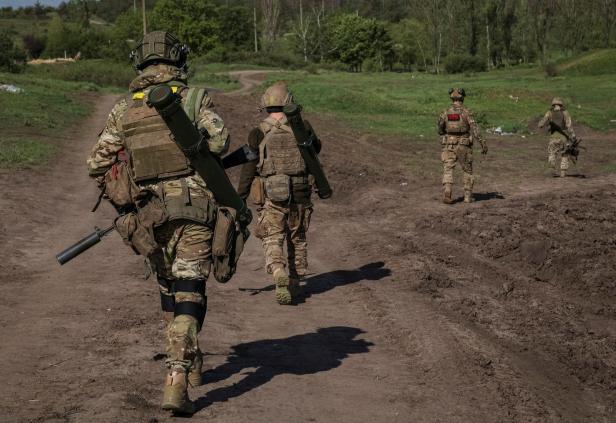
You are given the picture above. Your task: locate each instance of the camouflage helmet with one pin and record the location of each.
(159, 47)
(557, 101)
(457, 93)
(277, 95)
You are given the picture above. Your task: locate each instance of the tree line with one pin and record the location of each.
(374, 35)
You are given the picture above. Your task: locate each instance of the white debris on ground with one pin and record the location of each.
(499, 131)
(10, 88)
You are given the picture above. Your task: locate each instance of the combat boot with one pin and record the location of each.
(468, 196)
(175, 396)
(447, 194)
(195, 372)
(281, 279)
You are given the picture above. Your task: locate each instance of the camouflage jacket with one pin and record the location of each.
(110, 142)
(568, 129)
(465, 114)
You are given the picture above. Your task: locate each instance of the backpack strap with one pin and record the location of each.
(192, 105)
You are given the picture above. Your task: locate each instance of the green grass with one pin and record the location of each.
(117, 76)
(100, 73)
(220, 81)
(21, 152)
(45, 108)
(596, 62)
(46, 105)
(408, 104)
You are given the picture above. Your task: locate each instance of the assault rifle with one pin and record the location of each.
(572, 148)
(242, 155)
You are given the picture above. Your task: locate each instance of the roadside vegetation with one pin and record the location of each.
(22, 152)
(33, 117)
(512, 99)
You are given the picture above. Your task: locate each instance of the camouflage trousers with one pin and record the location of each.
(462, 154)
(556, 154)
(280, 222)
(186, 255)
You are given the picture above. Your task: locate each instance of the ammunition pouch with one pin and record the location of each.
(198, 210)
(302, 188)
(227, 244)
(137, 228)
(278, 188)
(257, 192)
(119, 187)
(136, 235)
(466, 141)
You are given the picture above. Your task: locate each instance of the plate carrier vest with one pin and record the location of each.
(153, 156)
(456, 123)
(278, 152)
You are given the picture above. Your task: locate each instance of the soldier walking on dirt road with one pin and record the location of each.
(280, 185)
(458, 131)
(167, 211)
(561, 133)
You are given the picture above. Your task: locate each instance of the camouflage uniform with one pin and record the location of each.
(561, 127)
(458, 131)
(182, 263)
(283, 221)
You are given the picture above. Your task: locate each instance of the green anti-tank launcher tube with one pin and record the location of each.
(305, 142)
(194, 145)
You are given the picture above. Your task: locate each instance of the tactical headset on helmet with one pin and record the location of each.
(457, 93)
(159, 47)
(278, 95)
(557, 101)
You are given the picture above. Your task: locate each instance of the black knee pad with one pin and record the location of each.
(167, 300)
(191, 308)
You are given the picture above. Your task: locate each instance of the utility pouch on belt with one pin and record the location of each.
(119, 185)
(278, 187)
(135, 234)
(227, 244)
(137, 228)
(257, 192)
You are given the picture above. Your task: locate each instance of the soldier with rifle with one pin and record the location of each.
(157, 162)
(563, 148)
(280, 184)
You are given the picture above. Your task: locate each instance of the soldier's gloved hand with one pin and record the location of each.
(484, 149)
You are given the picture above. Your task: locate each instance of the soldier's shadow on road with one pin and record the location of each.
(324, 282)
(261, 361)
(483, 196)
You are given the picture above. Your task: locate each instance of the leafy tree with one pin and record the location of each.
(195, 22)
(11, 58)
(34, 45)
(353, 39)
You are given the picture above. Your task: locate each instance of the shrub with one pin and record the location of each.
(11, 58)
(34, 45)
(461, 63)
(551, 70)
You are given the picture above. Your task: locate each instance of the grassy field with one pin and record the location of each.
(30, 118)
(45, 105)
(408, 104)
(22, 152)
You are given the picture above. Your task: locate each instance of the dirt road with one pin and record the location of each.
(499, 311)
